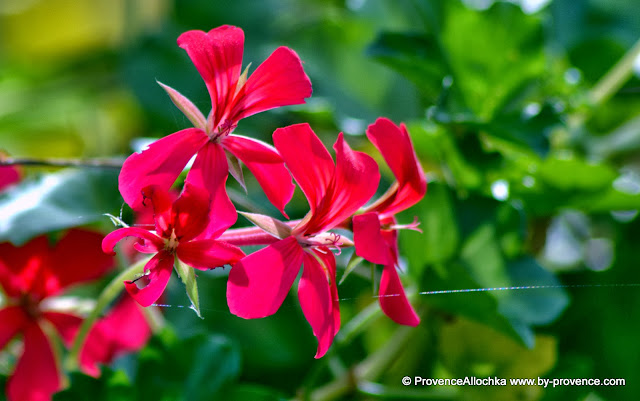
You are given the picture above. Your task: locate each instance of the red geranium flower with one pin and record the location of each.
(278, 81)
(177, 224)
(259, 283)
(375, 231)
(30, 275)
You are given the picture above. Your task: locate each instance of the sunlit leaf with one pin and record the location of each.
(68, 198)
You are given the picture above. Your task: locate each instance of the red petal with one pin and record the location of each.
(66, 324)
(8, 175)
(77, 258)
(279, 81)
(160, 200)
(210, 171)
(208, 253)
(260, 282)
(393, 300)
(21, 268)
(190, 212)
(160, 164)
(319, 301)
(159, 271)
(369, 242)
(36, 376)
(307, 159)
(355, 181)
(217, 56)
(266, 165)
(122, 330)
(395, 145)
(13, 320)
(151, 240)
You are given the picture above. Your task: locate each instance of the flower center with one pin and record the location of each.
(224, 129)
(171, 244)
(30, 305)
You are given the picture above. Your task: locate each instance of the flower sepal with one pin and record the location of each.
(235, 169)
(186, 107)
(188, 277)
(269, 224)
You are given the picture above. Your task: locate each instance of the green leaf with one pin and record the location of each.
(483, 257)
(111, 385)
(472, 349)
(188, 276)
(574, 174)
(64, 199)
(253, 392)
(536, 306)
(415, 56)
(192, 368)
(440, 237)
(481, 307)
(354, 262)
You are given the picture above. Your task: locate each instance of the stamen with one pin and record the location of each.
(171, 244)
(413, 226)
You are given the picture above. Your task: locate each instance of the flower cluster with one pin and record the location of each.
(194, 229)
(33, 277)
(191, 228)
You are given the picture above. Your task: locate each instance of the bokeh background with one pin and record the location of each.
(525, 115)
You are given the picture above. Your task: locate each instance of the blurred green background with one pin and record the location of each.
(525, 115)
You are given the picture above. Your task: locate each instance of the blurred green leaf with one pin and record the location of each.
(111, 385)
(479, 306)
(575, 175)
(483, 257)
(253, 393)
(194, 368)
(55, 201)
(439, 239)
(415, 56)
(492, 53)
(471, 349)
(536, 306)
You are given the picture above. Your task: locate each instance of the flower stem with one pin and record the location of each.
(367, 370)
(613, 80)
(52, 162)
(247, 236)
(111, 291)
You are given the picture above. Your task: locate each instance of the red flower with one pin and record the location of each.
(123, 329)
(278, 81)
(177, 224)
(259, 283)
(9, 175)
(374, 231)
(29, 275)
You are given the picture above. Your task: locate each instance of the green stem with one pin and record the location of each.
(247, 236)
(50, 162)
(367, 370)
(613, 80)
(111, 291)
